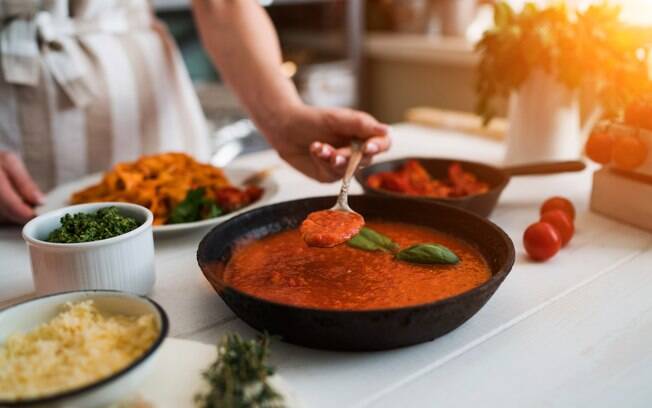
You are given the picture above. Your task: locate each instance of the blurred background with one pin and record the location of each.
(383, 56)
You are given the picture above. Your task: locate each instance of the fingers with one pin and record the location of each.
(19, 176)
(341, 126)
(12, 206)
(377, 144)
(332, 162)
(347, 122)
(340, 159)
(322, 155)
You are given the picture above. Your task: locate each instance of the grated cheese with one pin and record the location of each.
(78, 347)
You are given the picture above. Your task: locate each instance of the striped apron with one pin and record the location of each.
(88, 83)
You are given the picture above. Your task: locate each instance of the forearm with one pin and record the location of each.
(241, 41)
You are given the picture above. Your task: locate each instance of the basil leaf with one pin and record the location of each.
(428, 254)
(370, 240)
(360, 242)
(379, 239)
(189, 209)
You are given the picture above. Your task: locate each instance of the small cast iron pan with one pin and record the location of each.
(481, 204)
(357, 330)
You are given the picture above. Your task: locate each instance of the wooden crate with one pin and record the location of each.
(623, 197)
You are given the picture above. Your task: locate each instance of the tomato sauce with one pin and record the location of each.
(283, 268)
(328, 228)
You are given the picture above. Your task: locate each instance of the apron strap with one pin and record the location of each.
(31, 35)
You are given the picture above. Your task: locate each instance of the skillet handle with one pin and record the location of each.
(545, 168)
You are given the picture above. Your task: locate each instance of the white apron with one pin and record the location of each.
(88, 83)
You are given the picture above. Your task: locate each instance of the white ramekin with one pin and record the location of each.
(26, 316)
(125, 262)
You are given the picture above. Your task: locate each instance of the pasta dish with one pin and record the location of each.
(174, 186)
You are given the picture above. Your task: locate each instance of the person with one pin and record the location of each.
(88, 83)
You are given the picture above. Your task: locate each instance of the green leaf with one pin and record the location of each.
(370, 240)
(189, 209)
(591, 49)
(210, 210)
(105, 223)
(503, 14)
(361, 242)
(239, 377)
(428, 254)
(379, 239)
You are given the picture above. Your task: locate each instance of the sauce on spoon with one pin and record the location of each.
(329, 228)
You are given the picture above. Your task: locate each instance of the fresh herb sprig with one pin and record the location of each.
(426, 253)
(82, 227)
(591, 49)
(239, 376)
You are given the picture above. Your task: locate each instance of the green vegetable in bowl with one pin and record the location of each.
(82, 227)
(195, 207)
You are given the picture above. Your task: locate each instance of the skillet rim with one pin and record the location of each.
(363, 175)
(495, 279)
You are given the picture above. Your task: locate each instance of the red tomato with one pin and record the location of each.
(629, 152)
(559, 203)
(599, 147)
(541, 241)
(562, 223)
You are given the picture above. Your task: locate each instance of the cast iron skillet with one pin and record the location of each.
(357, 330)
(481, 204)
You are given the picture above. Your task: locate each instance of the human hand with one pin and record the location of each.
(18, 191)
(316, 141)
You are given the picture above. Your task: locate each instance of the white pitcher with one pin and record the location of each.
(544, 122)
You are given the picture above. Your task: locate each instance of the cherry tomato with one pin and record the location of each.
(558, 203)
(562, 223)
(541, 241)
(599, 147)
(629, 152)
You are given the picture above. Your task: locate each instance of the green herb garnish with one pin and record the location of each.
(428, 254)
(431, 254)
(370, 240)
(105, 223)
(238, 378)
(194, 207)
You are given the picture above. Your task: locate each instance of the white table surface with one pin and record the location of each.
(575, 331)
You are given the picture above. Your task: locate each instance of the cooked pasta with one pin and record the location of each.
(161, 182)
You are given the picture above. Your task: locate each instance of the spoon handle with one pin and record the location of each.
(354, 162)
(545, 168)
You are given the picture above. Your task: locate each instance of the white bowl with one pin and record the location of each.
(27, 316)
(124, 262)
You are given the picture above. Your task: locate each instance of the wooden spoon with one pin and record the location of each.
(337, 225)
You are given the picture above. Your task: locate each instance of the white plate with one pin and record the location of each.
(60, 196)
(177, 377)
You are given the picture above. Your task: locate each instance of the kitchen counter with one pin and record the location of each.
(574, 331)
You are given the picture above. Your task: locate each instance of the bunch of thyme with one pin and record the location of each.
(238, 378)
